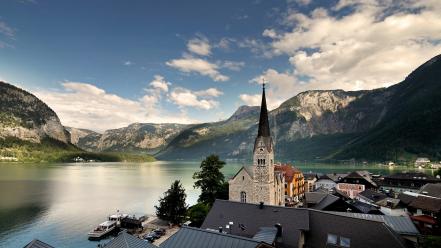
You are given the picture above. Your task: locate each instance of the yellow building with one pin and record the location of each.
(294, 182)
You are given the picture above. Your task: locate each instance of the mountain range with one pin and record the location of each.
(400, 122)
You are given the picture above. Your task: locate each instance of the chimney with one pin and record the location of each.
(220, 229)
(261, 205)
(279, 229)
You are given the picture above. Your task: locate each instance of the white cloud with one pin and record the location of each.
(160, 83)
(199, 46)
(191, 64)
(85, 105)
(211, 92)
(6, 30)
(128, 63)
(233, 65)
(251, 100)
(198, 99)
(375, 45)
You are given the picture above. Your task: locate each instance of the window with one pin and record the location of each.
(243, 196)
(332, 239)
(243, 178)
(345, 242)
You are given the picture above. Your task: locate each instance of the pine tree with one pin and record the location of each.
(210, 180)
(172, 206)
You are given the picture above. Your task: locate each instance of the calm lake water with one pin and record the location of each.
(60, 203)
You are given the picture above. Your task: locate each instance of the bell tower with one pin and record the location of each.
(263, 159)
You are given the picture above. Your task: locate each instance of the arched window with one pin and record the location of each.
(243, 196)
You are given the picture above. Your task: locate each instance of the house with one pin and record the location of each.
(326, 183)
(359, 178)
(37, 244)
(326, 202)
(406, 181)
(302, 227)
(310, 179)
(370, 196)
(422, 162)
(294, 181)
(350, 189)
(392, 206)
(190, 237)
(125, 240)
(402, 225)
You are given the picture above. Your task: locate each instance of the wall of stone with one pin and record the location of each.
(242, 182)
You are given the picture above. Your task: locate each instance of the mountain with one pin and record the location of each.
(137, 137)
(395, 123)
(25, 117)
(30, 131)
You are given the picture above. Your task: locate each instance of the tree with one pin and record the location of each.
(197, 214)
(172, 206)
(210, 179)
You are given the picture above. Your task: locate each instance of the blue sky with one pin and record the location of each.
(106, 64)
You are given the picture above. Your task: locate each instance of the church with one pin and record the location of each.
(260, 182)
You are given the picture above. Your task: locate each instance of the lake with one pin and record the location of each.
(60, 203)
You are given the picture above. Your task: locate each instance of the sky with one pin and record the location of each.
(105, 64)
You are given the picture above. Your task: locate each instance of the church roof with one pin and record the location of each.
(264, 130)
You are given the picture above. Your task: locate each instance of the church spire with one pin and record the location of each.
(264, 130)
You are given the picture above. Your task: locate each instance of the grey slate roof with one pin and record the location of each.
(266, 234)
(190, 237)
(125, 240)
(364, 207)
(314, 197)
(37, 244)
(326, 201)
(251, 217)
(314, 224)
(431, 189)
(400, 224)
(372, 195)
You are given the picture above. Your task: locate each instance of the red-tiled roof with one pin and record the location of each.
(424, 219)
(288, 170)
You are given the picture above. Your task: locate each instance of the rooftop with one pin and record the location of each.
(431, 189)
(125, 240)
(37, 244)
(314, 224)
(190, 237)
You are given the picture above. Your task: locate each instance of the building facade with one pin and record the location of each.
(294, 182)
(261, 182)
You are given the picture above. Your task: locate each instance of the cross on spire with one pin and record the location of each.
(263, 82)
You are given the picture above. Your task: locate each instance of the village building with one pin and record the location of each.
(294, 182)
(407, 181)
(324, 182)
(422, 162)
(261, 182)
(310, 179)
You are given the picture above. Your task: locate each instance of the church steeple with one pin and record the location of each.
(264, 130)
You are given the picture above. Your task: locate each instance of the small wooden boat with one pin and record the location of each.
(102, 230)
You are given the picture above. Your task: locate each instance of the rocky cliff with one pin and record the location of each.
(25, 117)
(137, 137)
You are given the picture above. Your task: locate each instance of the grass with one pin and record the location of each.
(50, 150)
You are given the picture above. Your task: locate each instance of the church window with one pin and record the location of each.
(243, 196)
(243, 178)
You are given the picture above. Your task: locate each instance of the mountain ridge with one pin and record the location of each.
(399, 122)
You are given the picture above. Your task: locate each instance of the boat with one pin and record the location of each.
(102, 230)
(118, 217)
